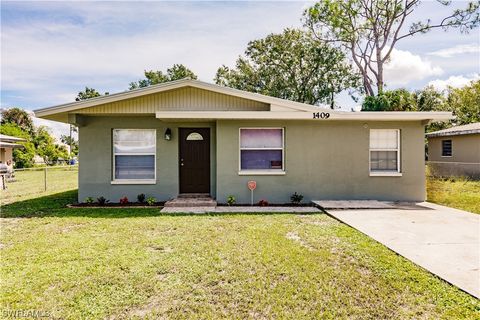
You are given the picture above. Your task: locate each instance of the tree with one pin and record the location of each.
(70, 141)
(88, 93)
(19, 117)
(291, 65)
(465, 103)
(370, 29)
(23, 158)
(47, 148)
(429, 99)
(176, 72)
(394, 100)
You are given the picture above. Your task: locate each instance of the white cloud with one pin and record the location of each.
(107, 45)
(405, 67)
(453, 81)
(456, 50)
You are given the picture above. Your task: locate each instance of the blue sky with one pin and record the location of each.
(52, 50)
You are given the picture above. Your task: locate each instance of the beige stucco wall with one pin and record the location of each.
(6, 154)
(465, 159)
(465, 148)
(323, 160)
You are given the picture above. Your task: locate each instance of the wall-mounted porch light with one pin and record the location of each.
(168, 134)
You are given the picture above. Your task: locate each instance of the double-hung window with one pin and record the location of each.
(134, 155)
(384, 152)
(262, 150)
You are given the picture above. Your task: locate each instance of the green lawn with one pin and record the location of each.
(454, 192)
(30, 183)
(132, 263)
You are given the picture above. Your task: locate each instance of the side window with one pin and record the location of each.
(384, 150)
(446, 148)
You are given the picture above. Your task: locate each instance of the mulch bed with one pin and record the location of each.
(116, 205)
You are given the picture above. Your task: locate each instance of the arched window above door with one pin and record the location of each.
(194, 136)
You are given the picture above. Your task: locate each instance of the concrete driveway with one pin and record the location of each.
(442, 240)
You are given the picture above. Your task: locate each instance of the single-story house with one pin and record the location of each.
(7, 144)
(189, 136)
(455, 151)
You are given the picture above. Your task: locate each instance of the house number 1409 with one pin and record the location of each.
(321, 115)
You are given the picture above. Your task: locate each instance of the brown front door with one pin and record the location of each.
(194, 159)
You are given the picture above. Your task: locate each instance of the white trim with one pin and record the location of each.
(135, 181)
(272, 172)
(304, 115)
(385, 174)
(264, 171)
(398, 149)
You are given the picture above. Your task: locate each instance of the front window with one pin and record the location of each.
(384, 151)
(261, 149)
(446, 148)
(134, 154)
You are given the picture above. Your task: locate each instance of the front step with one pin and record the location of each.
(191, 200)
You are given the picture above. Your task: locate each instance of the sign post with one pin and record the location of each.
(252, 185)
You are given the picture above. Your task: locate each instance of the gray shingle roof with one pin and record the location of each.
(471, 128)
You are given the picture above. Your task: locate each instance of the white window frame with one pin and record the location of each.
(134, 181)
(261, 172)
(451, 148)
(397, 173)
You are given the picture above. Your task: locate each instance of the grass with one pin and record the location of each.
(131, 263)
(30, 183)
(455, 192)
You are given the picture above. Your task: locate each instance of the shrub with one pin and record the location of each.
(151, 201)
(141, 198)
(263, 203)
(102, 201)
(124, 200)
(296, 198)
(231, 200)
(88, 200)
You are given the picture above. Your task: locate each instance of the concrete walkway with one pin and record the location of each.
(235, 209)
(443, 240)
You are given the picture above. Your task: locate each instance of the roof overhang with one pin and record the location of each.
(10, 145)
(313, 114)
(452, 133)
(280, 109)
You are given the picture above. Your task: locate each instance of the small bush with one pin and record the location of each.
(263, 203)
(296, 198)
(231, 200)
(124, 200)
(88, 200)
(141, 198)
(151, 201)
(102, 201)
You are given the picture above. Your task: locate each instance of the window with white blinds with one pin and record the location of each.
(134, 154)
(384, 150)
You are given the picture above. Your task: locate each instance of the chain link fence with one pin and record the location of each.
(36, 182)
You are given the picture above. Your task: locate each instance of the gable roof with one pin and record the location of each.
(278, 108)
(471, 128)
(167, 86)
